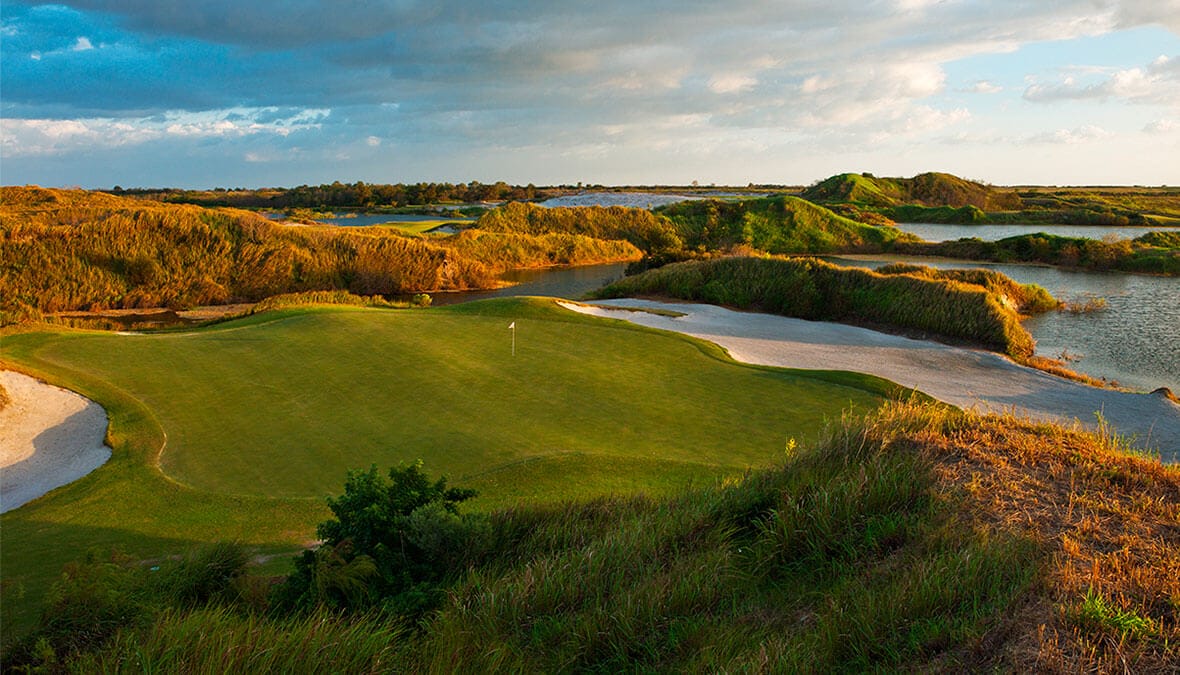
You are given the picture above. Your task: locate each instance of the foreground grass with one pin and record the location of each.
(235, 432)
(918, 539)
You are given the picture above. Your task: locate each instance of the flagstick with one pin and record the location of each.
(512, 326)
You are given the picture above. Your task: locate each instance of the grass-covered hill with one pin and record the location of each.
(774, 225)
(927, 189)
(66, 250)
(917, 539)
(237, 431)
(1150, 253)
(973, 306)
(641, 227)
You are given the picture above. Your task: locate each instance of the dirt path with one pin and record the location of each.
(967, 378)
(48, 437)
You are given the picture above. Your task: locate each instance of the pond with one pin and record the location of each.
(1134, 341)
(558, 282)
(937, 232)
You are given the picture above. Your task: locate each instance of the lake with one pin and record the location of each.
(1135, 340)
(936, 232)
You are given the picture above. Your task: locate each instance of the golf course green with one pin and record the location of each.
(238, 431)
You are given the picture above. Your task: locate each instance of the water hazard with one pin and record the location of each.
(1134, 341)
(937, 232)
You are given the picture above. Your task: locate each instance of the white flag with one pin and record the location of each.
(512, 325)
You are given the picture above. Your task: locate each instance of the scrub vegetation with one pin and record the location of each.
(69, 250)
(917, 538)
(972, 306)
(945, 198)
(1151, 253)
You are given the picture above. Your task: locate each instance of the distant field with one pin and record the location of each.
(260, 418)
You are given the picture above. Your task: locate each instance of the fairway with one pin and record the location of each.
(237, 431)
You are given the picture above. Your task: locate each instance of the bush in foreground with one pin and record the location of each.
(920, 538)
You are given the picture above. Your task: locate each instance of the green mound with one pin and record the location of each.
(930, 189)
(774, 225)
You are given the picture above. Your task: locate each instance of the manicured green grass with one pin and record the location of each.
(263, 416)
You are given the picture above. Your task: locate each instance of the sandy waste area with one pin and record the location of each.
(968, 378)
(48, 437)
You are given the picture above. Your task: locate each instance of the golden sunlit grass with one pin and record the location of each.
(1109, 522)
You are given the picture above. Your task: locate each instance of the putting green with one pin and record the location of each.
(259, 418)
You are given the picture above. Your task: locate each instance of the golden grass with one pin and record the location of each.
(1108, 522)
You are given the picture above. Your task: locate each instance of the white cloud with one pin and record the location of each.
(373, 141)
(33, 137)
(82, 45)
(731, 83)
(984, 87)
(1163, 126)
(1083, 134)
(1156, 83)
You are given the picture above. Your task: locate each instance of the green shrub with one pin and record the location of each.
(391, 544)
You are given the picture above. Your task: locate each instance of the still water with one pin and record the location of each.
(558, 282)
(1135, 340)
(935, 232)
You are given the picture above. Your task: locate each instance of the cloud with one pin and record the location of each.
(1156, 83)
(984, 87)
(34, 137)
(1074, 136)
(1164, 126)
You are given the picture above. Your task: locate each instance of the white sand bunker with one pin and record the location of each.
(48, 437)
(968, 378)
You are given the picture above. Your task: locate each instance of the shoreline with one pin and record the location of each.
(967, 378)
(52, 437)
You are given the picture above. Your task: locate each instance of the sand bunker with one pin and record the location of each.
(967, 378)
(48, 437)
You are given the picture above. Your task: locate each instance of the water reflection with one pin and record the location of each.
(937, 232)
(1135, 340)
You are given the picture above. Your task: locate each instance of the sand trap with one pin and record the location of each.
(48, 437)
(968, 378)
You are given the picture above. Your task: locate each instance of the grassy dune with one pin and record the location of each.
(237, 431)
(918, 539)
(975, 307)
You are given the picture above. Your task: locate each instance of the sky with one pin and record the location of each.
(232, 93)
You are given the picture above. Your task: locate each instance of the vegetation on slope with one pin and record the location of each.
(1151, 253)
(775, 225)
(264, 415)
(926, 190)
(641, 227)
(952, 306)
(918, 539)
(67, 250)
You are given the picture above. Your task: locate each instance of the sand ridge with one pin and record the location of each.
(968, 378)
(49, 437)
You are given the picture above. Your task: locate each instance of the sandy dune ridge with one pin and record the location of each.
(968, 378)
(49, 437)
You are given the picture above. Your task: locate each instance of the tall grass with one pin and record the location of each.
(640, 227)
(948, 197)
(775, 225)
(1152, 253)
(919, 538)
(217, 640)
(70, 250)
(813, 289)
